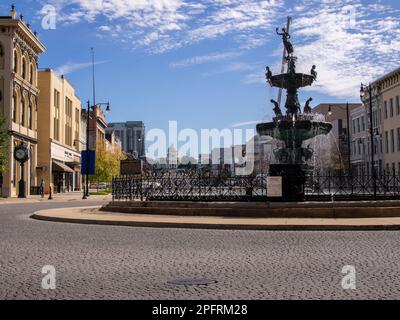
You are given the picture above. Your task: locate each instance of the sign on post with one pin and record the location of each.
(88, 165)
(130, 167)
(274, 187)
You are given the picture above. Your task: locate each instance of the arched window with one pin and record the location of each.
(31, 74)
(15, 61)
(22, 112)
(30, 115)
(14, 108)
(24, 68)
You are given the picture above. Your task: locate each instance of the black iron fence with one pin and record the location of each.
(195, 186)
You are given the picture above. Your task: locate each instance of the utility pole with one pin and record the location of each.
(348, 138)
(289, 20)
(372, 140)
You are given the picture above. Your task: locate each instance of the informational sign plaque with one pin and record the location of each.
(274, 187)
(129, 167)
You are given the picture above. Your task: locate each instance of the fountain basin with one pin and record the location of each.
(293, 133)
(288, 80)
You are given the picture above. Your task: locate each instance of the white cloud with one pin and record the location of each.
(163, 25)
(349, 42)
(213, 57)
(246, 123)
(70, 67)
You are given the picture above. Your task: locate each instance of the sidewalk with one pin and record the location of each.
(58, 197)
(92, 215)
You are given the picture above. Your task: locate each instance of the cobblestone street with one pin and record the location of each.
(108, 262)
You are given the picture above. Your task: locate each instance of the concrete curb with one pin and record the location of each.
(217, 226)
(367, 209)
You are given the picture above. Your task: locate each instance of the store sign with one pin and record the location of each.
(63, 154)
(274, 187)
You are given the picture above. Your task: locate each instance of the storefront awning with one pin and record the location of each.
(61, 167)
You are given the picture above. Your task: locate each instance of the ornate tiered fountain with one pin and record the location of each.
(292, 128)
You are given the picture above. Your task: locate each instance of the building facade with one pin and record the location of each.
(59, 133)
(389, 87)
(132, 136)
(359, 137)
(113, 143)
(97, 127)
(337, 115)
(19, 53)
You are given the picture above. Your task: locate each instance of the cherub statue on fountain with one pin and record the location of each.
(314, 72)
(268, 74)
(277, 110)
(307, 108)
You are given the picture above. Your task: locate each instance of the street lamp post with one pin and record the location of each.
(371, 130)
(86, 191)
(348, 132)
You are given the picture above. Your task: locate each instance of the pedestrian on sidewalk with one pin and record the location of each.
(42, 185)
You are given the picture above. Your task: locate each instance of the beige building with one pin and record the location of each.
(19, 53)
(386, 122)
(389, 89)
(113, 143)
(59, 133)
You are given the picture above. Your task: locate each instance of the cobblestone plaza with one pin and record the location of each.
(110, 262)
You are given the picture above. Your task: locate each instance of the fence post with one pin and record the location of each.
(141, 187)
(329, 182)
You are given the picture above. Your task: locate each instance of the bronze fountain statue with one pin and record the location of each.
(294, 127)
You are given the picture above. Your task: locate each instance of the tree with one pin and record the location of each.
(107, 164)
(4, 138)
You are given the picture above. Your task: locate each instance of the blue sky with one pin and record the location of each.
(202, 62)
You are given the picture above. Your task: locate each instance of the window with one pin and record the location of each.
(14, 108)
(392, 140)
(22, 113)
(386, 142)
(391, 108)
(31, 74)
(358, 125)
(15, 62)
(363, 123)
(77, 127)
(398, 139)
(398, 105)
(24, 68)
(386, 110)
(354, 126)
(56, 121)
(68, 122)
(30, 115)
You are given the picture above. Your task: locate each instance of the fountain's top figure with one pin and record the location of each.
(291, 81)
